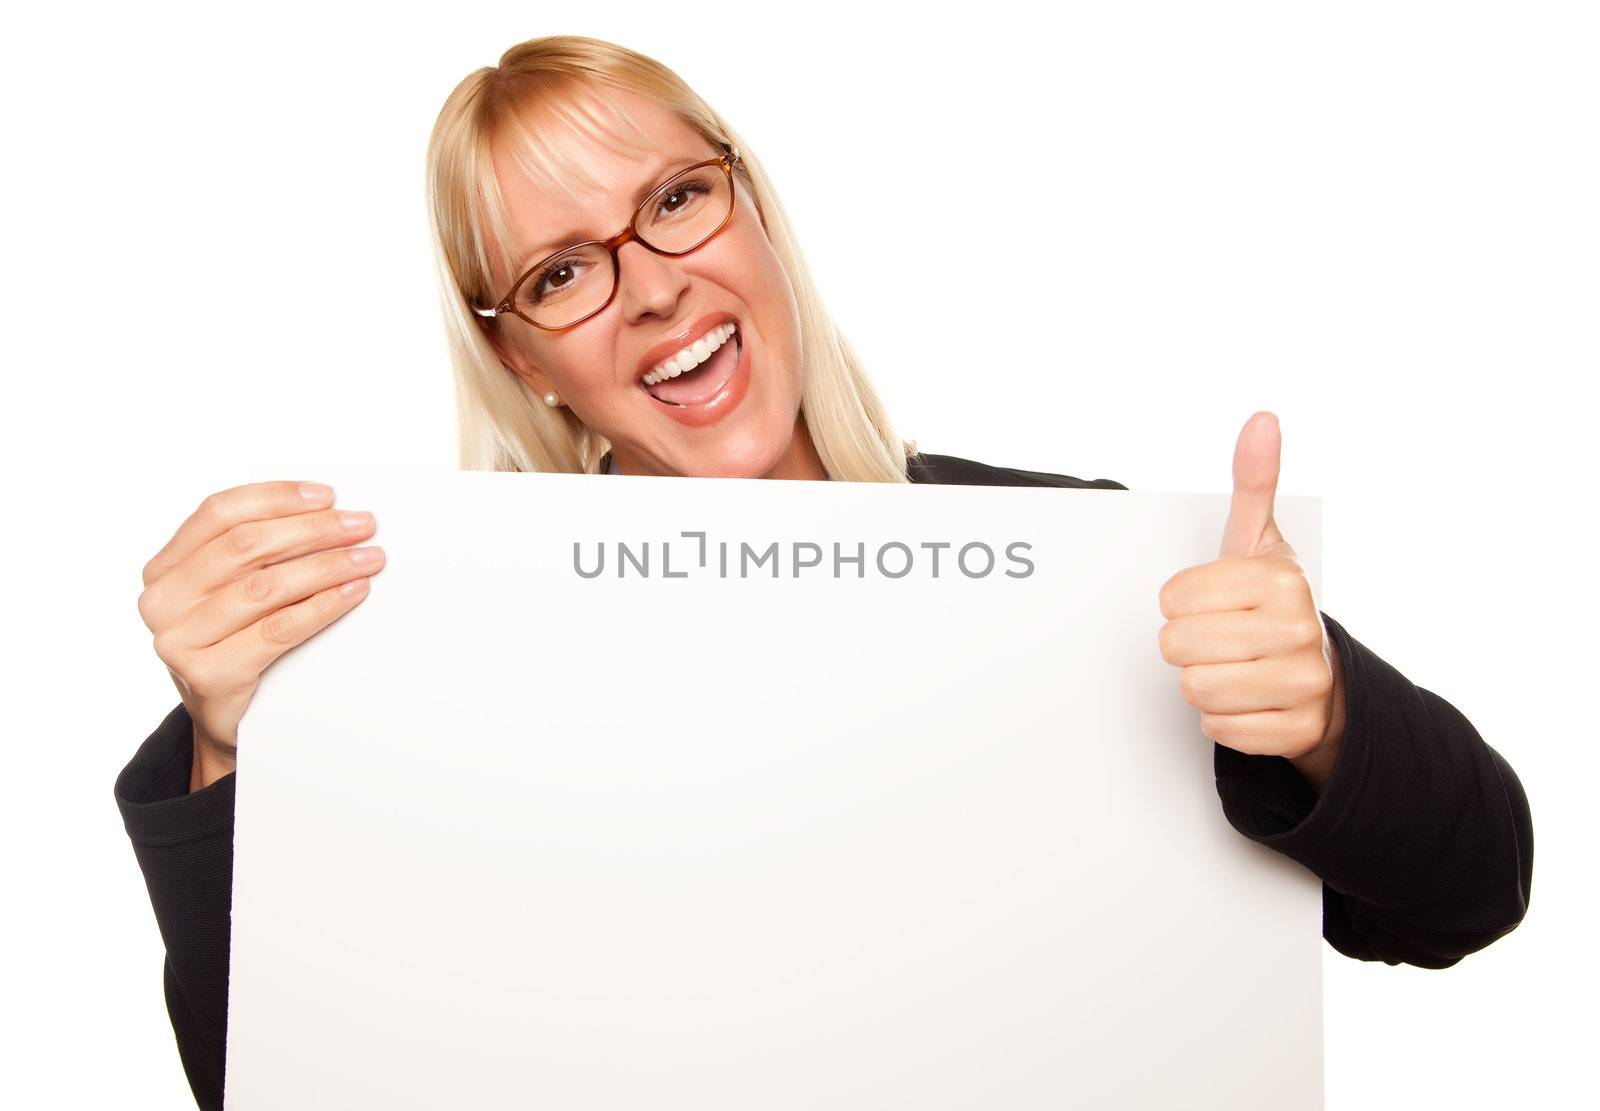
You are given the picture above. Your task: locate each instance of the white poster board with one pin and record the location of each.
(508, 836)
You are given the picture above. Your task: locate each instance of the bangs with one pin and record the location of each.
(536, 135)
(534, 139)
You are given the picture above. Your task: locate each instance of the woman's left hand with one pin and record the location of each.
(1256, 658)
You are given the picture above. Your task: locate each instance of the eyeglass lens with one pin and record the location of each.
(678, 217)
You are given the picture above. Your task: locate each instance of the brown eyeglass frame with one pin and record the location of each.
(626, 235)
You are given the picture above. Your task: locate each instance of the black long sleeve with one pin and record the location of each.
(1422, 837)
(184, 845)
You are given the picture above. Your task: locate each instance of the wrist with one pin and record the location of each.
(1336, 707)
(1317, 764)
(211, 762)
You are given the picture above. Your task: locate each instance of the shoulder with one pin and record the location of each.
(951, 470)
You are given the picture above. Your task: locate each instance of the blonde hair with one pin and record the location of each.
(502, 424)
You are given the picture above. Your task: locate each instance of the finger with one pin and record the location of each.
(219, 512)
(1264, 732)
(1250, 526)
(250, 597)
(252, 649)
(247, 545)
(1252, 686)
(1234, 636)
(1235, 583)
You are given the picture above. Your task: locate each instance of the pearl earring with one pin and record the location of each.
(552, 399)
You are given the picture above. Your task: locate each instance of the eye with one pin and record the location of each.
(685, 194)
(558, 276)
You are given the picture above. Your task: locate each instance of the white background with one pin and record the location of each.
(1377, 220)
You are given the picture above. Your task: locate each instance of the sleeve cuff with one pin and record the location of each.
(153, 793)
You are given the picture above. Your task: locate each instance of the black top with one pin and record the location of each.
(1422, 836)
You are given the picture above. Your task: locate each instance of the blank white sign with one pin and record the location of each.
(857, 836)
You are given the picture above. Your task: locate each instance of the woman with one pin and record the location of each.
(623, 294)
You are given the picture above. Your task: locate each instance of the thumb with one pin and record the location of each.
(1250, 529)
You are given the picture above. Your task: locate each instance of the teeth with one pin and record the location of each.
(693, 355)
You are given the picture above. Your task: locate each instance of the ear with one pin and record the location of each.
(513, 360)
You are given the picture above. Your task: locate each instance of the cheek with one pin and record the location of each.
(768, 292)
(578, 369)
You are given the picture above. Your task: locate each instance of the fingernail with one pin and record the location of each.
(315, 491)
(355, 520)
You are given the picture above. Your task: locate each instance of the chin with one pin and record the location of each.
(736, 460)
(731, 468)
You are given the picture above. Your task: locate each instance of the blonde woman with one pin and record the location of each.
(623, 294)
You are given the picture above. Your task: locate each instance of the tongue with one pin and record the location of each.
(702, 383)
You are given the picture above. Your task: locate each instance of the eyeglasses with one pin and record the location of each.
(566, 288)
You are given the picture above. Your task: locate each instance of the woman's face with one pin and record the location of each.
(751, 426)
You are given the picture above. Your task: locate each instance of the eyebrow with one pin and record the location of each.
(666, 170)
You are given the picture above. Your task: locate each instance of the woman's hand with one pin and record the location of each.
(1256, 658)
(244, 579)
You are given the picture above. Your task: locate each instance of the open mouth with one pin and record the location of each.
(703, 382)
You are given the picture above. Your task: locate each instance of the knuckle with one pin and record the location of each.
(241, 541)
(338, 569)
(332, 526)
(213, 506)
(1165, 638)
(278, 627)
(147, 608)
(312, 531)
(1169, 599)
(1307, 632)
(1192, 685)
(198, 675)
(324, 604)
(259, 586)
(166, 647)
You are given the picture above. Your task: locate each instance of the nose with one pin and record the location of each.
(648, 283)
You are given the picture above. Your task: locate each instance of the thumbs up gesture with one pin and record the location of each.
(1256, 658)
